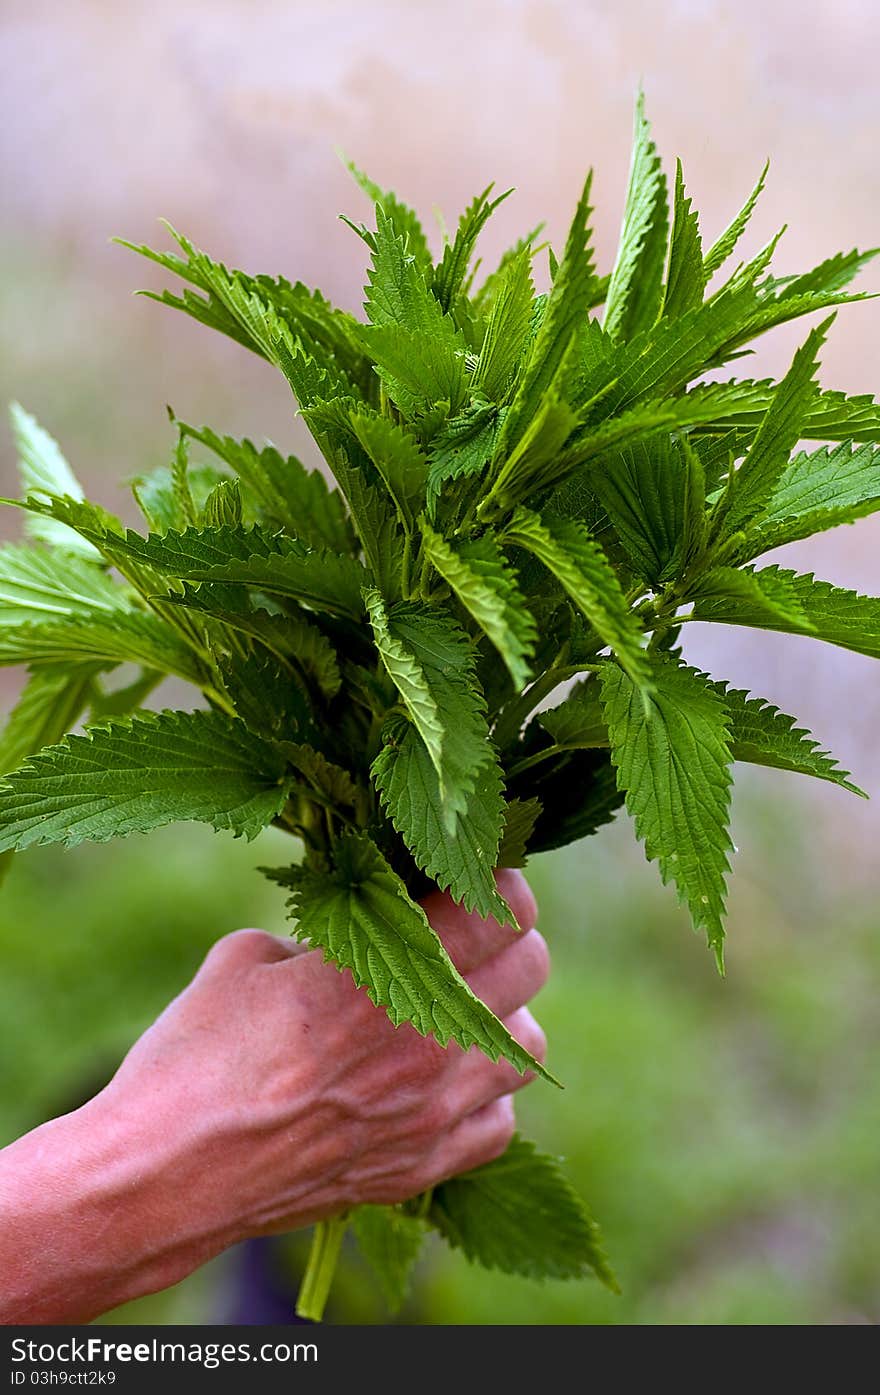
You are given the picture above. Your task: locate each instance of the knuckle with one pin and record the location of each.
(519, 896)
(540, 957)
(242, 946)
(500, 1128)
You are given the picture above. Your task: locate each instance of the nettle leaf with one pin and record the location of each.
(38, 585)
(831, 613)
(289, 635)
(135, 775)
(636, 287)
(450, 276)
(222, 508)
(578, 563)
(751, 486)
(44, 471)
(767, 593)
(672, 756)
(274, 563)
(721, 249)
(519, 1214)
(486, 586)
(816, 491)
(577, 794)
(507, 330)
(431, 663)
(578, 722)
(116, 638)
(520, 817)
(399, 459)
(51, 703)
(565, 308)
(762, 735)
(267, 695)
(462, 860)
(390, 1240)
(686, 277)
(289, 495)
(644, 490)
(463, 446)
(362, 917)
(403, 220)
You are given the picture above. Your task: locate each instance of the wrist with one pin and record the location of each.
(85, 1222)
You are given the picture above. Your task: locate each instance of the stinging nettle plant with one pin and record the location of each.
(530, 489)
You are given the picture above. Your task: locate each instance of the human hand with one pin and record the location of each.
(270, 1094)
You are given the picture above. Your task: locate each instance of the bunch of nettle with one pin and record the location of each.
(528, 492)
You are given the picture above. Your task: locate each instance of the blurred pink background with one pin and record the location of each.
(223, 117)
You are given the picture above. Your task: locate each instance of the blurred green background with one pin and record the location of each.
(726, 1134)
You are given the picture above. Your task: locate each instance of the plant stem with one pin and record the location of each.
(323, 1257)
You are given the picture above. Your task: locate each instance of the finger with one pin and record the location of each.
(479, 1080)
(468, 938)
(513, 976)
(245, 948)
(478, 1139)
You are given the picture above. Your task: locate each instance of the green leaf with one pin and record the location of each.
(462, 860)
(521, 1215)
(418, 369)
(766, 594)
(752, 485)
(398, 292)
(276, 564)
(120, 637)
(431, 663)
(576, 790)
(362, 917)
(644, 490)
(519, 823)
(333, 785)
(463, 446)
(403, 220)
(451, 275)
(578, 722)
(291, 636)
(43, 471)
(267, 695)
(186, 509)
(672, 756)
(135, 775)
(816, 491)
(222, 508)
(721, 249)
(290, 496)
(390, 1241)
(568, 551)
(533, 463)
(36, 585)
(762, 735)
(52, 701)
(829, 276)
(831, 613)
(686, 277)
(636, 287)
(156, 499)
(507, 331)
(486, 586)
(565, 308)
(399, 459)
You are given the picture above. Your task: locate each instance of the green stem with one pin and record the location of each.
(323, 1258)
(548, 754)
